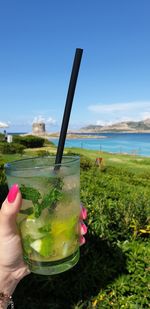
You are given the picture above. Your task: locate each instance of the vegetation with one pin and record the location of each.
(6, 148)
(2, 137)
(29, 141)
(114, 267)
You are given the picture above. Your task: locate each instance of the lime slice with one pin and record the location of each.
(43, 246)
(67, 227)
(65, 236)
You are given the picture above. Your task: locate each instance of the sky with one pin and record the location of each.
(38, 39)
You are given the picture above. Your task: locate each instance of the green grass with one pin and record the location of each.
(27, 153)
(137, 164)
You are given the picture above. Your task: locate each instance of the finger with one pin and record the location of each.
(10, 208)
(83, 231)
(82, 240)
(83, 228)
(83, 213)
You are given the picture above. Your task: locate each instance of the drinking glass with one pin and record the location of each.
(48, 220)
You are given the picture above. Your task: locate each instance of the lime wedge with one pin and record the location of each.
(67, 227)
(43, 246)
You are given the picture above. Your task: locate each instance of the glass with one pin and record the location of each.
(48, 220)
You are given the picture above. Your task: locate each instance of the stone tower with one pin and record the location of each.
(38, 128)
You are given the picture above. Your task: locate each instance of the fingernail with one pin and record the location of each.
(84, 213)
(82, 240)
(12, 193)
(83, 229)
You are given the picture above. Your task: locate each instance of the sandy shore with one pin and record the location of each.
(69, 136)
(76, 136)
(54, 135)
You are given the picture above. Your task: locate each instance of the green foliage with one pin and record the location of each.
(11, 148)
(85, 163)
(42, 153)
(132, 289)
(2, 137)
(29, 141)
(49, 143)
(117, 210)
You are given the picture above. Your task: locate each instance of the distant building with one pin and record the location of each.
(38, 128)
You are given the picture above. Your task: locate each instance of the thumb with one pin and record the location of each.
(10, 208)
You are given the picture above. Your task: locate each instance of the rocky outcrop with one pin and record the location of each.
(125, 126)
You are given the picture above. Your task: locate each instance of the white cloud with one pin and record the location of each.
(3, 125)
(102, 108)
(117, 112)
(49, 121)
(103, 123)
(38, 119)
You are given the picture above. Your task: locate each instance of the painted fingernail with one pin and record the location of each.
(83, 229)
(13, 193)
(82, 240)
(84, 213)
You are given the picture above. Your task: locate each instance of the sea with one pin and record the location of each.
(123, 143)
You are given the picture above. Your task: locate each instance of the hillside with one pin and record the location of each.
(125, 126)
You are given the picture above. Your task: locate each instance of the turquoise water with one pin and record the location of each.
(138, 144)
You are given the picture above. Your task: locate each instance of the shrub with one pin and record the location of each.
(29, 141)
(42, 153)
(6, 148)
(2, 137)
(85, 163)
(48, 143)
(131, 289)
(117, 210)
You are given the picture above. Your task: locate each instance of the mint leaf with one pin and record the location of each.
(51, 198)
(48, 201)
(27, 211)
(37, 210)
(29, 193)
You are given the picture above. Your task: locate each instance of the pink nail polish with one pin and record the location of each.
(82, 240)
(84, 213)
(12, 193)
(83, 229)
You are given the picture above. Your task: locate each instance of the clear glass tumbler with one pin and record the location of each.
(48, 220)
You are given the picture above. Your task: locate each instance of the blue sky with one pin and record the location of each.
(38, 39)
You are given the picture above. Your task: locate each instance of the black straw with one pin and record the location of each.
(68, 105)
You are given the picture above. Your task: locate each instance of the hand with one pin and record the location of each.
(11, 257)
(12, 266)
(83, 227)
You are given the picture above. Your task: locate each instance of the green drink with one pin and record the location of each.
(48, 221)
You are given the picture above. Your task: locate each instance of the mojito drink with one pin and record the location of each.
(48, 221)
